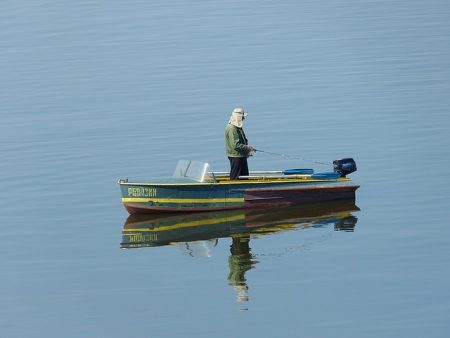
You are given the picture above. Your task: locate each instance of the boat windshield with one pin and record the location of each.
(194, 170)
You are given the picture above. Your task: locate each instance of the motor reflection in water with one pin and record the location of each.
(198, 233)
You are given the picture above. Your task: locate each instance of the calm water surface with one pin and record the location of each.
(93, 91)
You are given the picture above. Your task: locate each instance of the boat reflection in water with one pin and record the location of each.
(198, 233)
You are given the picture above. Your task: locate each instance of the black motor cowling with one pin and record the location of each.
(344, 167)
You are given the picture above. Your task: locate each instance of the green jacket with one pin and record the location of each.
(235, 142)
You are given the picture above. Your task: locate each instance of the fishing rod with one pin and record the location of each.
(292, 157)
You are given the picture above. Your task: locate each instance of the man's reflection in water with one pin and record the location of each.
(240, 261)
(197, 235)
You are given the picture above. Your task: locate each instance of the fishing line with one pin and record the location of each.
(292, 157)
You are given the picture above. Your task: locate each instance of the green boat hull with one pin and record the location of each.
(182, 196)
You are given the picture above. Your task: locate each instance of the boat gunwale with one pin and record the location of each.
(241, 182)
(306, 187)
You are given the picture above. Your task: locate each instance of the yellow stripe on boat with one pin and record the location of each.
(181, 200)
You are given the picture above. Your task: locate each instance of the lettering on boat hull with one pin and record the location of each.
(141, 192)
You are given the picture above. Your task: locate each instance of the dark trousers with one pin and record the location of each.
(239, 167)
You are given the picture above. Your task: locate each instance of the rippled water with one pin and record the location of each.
(93, 91)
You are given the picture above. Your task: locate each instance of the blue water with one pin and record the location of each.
(94, 91)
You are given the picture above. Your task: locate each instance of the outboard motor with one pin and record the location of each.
(345, 166)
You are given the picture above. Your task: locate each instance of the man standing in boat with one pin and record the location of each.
(237, 146)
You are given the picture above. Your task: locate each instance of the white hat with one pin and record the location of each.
(237, 117)
(239, 111)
